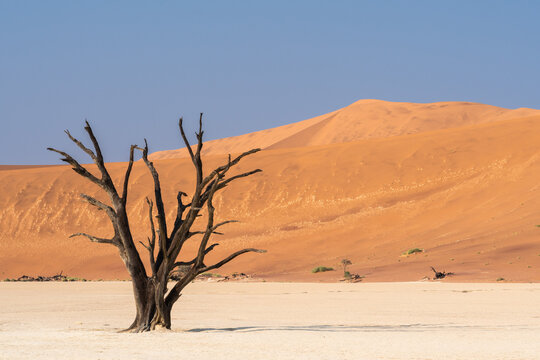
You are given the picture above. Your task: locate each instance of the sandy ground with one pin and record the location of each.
(276, 321)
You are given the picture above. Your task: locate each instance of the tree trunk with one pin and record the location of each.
(162, 314)
(152, 311)
(162, 317)
(144, 304)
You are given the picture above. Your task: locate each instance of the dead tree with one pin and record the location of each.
(440, 274)
(153, 298)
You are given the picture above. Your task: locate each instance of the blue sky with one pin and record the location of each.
(133, 67)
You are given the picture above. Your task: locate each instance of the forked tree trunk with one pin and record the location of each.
(153, 311)
(147, 310)
(153, 299)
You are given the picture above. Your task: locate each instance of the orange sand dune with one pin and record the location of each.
(18, 167)
(238, 144)
(467, 193)
(362, 120)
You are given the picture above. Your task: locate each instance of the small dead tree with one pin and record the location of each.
(153, 299)
(440, 274)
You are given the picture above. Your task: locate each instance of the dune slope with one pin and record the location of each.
(363, 119)
(467, 195)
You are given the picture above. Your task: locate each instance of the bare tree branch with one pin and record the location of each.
(78, 168)
(199, 135)
(225, 223)
(162, 225)
(128, 173)
(210, 224)
(105, 182)
(112, 241)
(181, 207)
(227, 181)
(113, 216)
(228, 259)
(81, 145)
(183, 263)
(151, 241)
(97, 203)
(214, 227)
(182, 233)
(184, 137)
(229, 164)
(99, 156)
(192, 233)
(198, 164)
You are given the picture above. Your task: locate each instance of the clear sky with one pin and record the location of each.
(133, 67)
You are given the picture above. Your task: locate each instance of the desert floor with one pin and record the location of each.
(418, 320)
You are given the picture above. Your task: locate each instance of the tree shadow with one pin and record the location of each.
(337, 328)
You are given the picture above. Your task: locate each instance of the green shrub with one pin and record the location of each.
(500, 279)
(211, 275)
(413, 251)
(321, 269)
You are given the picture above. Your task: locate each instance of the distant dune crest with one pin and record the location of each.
(363, 119)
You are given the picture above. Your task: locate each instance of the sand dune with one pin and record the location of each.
(238, 144)
(464, 190)
(18, 167)
(362, 120)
